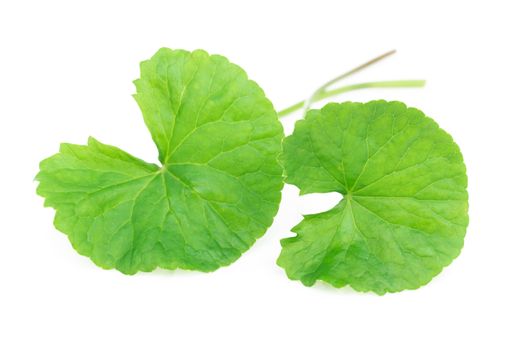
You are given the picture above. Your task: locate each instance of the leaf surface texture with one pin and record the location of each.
(403, 215)
(217, 188)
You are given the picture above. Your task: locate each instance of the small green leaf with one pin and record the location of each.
(216, 192)
(403, 215)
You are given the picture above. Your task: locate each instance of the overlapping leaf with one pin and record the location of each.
(403, 214)
(216, 191)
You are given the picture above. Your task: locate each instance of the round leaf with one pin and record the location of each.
(403, 215)
(216, 191)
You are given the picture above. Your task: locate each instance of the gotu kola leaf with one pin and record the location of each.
(403, 214)
(218, 187)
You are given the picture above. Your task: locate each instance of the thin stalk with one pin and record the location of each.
(322, 94)
(343, 76)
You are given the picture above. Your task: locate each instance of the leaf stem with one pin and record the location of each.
(322, 94)
(335, 80)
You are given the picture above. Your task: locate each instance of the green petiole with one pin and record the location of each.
(378, 84)
(323, 92)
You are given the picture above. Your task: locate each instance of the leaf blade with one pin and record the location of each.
(217, 191)
(407, 203)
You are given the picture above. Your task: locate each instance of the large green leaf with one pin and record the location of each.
(218, 187)
(403, 214)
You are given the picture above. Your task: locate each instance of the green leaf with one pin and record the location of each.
(218, 187)
(403, 215)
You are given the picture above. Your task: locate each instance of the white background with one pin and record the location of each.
(66, 72)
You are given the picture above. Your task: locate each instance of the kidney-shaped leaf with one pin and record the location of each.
(403, 214)
(216, 191)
